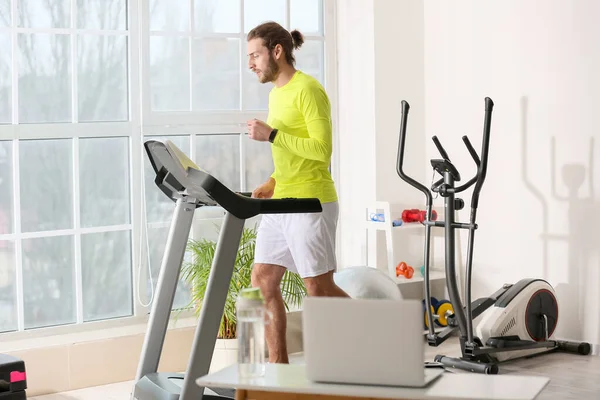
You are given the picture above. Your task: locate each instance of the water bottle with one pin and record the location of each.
(252, 316)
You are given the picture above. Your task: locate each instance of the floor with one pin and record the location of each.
(571, 377)
(116, 391)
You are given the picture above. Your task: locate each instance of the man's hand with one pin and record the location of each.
(258, 130)
(265, 191)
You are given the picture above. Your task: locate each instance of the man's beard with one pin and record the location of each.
(271, 72)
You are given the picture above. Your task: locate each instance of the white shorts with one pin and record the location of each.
(302, 243)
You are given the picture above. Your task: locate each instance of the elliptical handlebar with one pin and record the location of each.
(475, 156)
(400, 162)
(479, 177)
(440, 148)
(485, 146)
(471, 150)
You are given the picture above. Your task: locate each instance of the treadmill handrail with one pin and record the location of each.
(177, 179)
(247, 207)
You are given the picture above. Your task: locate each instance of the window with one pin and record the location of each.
(197, 77)
(83, 83)
(65, 175)
(196, 52)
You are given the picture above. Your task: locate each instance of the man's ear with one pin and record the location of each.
(277, 51)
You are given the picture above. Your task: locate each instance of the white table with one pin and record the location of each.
(287, 381)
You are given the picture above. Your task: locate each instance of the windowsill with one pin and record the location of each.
(100, 333)
(101, 330)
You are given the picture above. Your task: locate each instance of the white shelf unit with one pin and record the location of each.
(385, 208)
(387, 225)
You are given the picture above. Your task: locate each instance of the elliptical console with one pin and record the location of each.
(516, 321)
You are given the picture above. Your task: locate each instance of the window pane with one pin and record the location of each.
(309, 59)
(8, 304)
(158, 207)
(106, 274)
(48, 287)
(5, 80)
(307, 16)
(169, 15)
(258, 162)
(256, 94)
(259, 11)
(216, 74)
(46, 184)
(5, 15)
(6, 187)
(219, 155)
(44, 14)
(104, 181)
(102, 78)
(102, 14)
(220, 16)
(44, 78)
(157, 240)
(169, 73)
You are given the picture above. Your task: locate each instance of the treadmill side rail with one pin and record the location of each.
(213, 305)
(166, 287)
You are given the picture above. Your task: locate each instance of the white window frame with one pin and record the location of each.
(142, 122)
(74, 131)
(199, 122)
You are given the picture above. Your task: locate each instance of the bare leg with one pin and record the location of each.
(323, 285)
(268, 278)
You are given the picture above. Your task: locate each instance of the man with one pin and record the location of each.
(299, 128)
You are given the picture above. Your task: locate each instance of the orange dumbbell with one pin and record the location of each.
(406, 270)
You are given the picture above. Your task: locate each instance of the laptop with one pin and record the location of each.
(365, 341)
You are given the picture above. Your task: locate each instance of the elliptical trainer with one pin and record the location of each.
(516, 321)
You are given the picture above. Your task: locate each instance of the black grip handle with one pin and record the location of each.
(477, 162)
(440, 148)
(485, 147)
(400, 159)
(290, 206)
(405, 107)
(471, 150)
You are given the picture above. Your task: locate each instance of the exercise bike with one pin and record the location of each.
(519, 319)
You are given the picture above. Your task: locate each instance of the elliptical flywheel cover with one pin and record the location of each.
(541, 303)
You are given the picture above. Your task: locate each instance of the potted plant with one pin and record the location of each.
(196, 272)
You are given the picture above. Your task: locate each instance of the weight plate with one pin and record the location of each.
(443, 311)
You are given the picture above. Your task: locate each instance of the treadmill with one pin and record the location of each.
(190, 187)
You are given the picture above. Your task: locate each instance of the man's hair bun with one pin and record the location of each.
(297, 38)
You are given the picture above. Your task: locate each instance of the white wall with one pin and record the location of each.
(380, 63)
(539, 212)
(399, 74)
(356, 114)
(539, 209)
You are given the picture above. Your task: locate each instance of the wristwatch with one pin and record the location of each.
(272, 135)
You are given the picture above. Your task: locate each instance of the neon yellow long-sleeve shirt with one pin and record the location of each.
(302, 148)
